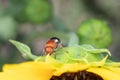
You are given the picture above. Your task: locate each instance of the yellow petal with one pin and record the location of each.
(114, 69)
(106, 74)
(71, 68)
(27, 71)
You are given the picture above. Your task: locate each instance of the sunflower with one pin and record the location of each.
(74, 62)
(54, 70)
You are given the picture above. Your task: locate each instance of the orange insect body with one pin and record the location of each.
(51, 45)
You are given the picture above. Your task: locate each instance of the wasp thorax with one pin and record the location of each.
(57, 40)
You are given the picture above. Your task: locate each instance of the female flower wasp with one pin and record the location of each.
(52, 44)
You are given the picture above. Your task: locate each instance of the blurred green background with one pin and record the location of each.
(33, 22)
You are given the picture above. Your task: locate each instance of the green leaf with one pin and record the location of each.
(100, 63)
(52, 61)
(81, 53)
(40, 58)
(115, 64)
(74, 40)
(91, 49)
(24, 49)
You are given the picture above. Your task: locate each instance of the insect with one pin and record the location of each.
(52, 44)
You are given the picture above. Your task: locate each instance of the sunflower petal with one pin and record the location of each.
(71, 68)
(106, 74)
(114, 69)
(27, 71)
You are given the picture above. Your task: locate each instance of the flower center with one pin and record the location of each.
(80, 75)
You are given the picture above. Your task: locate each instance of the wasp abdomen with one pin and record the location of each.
(50, 46)
(49, 49)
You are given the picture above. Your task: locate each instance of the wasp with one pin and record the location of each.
(52, 44)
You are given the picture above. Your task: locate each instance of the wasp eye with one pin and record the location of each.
(57, 40)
